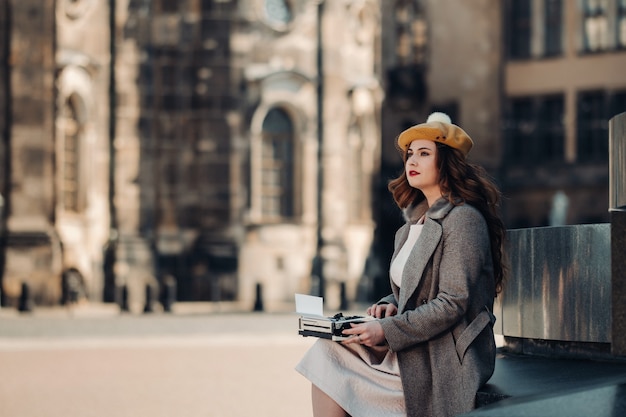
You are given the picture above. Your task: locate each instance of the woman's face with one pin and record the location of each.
(421, 167)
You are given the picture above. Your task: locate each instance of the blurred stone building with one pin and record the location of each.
(562, 81)
(151, 141)
(223, 144)
(54, 83)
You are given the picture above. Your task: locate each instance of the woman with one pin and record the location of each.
(432, 345)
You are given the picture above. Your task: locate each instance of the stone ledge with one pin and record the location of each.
(525, 379)
(600, 400)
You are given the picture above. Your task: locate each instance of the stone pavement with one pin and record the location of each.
(218, 360)
(222, 360)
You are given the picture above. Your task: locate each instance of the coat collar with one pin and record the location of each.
(438, 211)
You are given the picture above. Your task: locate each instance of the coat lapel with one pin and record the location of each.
(425, 246)
(420, 255)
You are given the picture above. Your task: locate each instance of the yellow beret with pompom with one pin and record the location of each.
(438, 128)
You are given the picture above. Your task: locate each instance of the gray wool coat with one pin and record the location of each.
(443, 332)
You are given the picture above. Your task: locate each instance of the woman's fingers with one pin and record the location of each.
(354, 331)
(392, 310)
(368, 334)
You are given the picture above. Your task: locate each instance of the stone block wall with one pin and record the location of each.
(30, 214)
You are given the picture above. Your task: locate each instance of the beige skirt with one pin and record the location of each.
(363, 381)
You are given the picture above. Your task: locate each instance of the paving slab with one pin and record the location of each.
(195, 364)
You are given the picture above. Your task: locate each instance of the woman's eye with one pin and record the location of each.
(424, 153)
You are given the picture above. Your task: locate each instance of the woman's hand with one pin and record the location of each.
(369, 333)
(382, 310)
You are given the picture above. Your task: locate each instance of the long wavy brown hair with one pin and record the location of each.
(462, 182)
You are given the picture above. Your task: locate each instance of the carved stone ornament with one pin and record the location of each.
(75, 9)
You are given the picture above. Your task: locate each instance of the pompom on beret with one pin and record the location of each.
(438, 128)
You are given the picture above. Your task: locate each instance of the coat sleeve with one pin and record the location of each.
(465, 252)
(390, 299)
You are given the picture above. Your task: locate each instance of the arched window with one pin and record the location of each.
(71, 131)
(277, 171)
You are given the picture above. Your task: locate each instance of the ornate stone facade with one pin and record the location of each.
(30, 240)
(225, 146)
(183, 139)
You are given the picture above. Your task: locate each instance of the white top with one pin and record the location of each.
(397, 266)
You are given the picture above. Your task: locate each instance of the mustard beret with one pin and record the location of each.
(438, 128)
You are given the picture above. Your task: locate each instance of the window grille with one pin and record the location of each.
(595, 25)
(534, 130)
(618, 104)
(411, 34)
(519, 130)
(621, 24)
(519, 26)
(592, 126)
(551, 134)
(553, 27)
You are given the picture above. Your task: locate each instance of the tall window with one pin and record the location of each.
(277, 166)
(519, 29)
(551, 135)
(621, 24)
(70, 164)
(411, 34)
(519, 130)
(406, 79)
(533, 32)
(618, 104)
(595, 25)
(534, 131)
(553, 23)
(592, 129)
(595, 109)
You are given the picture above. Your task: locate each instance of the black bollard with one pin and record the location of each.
(258, 303)
(147, 308)
(123, 298)
(25, 303)
(169, 293)
(343, 304)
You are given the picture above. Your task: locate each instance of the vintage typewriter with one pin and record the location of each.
(313, 322)
(328, 327)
